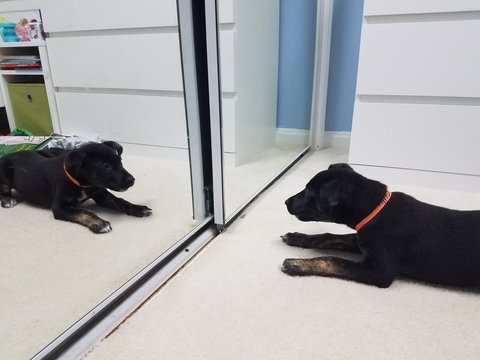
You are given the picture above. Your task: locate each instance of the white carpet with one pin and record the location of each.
(53, 272)
(233, 302)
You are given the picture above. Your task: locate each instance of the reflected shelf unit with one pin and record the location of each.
(41, 75)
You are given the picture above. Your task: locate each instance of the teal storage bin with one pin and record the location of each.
(7, 32)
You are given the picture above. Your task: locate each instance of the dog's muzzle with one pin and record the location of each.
(290, 205)
(129, 180)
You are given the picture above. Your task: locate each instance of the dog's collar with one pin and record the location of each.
(71, 178)
(375, 211)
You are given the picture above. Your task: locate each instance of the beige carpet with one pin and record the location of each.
(233, 302)
(52, 272)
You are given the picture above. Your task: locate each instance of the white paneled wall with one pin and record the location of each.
(418, 92)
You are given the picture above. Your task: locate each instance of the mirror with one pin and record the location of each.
(267, 57)
(109, 78)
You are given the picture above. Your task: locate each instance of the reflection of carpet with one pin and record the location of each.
(53, 272)
(242, 181)
(233, 302)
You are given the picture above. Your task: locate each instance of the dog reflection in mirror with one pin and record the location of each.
(61, 180)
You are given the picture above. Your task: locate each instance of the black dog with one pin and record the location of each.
(396, 233)
(61, 180)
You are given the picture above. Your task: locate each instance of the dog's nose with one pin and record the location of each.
(288, 202)
(129, 180)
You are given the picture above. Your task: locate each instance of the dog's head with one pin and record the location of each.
(100, 165)
(327, 196)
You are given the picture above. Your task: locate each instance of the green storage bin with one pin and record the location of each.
(30, 108)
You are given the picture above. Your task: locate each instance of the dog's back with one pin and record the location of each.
(26, 171)
(443, 245)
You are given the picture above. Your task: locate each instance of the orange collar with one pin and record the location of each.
(72, 179)
(375, 211)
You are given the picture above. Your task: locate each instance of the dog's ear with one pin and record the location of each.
(340, 166)
(75, 158)
(337, 192)
(116, 146)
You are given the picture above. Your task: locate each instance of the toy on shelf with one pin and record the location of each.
(21, 30)
(21, 26)
(7, 31)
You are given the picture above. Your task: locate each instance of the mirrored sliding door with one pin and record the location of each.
(267, 66)
(113, 71)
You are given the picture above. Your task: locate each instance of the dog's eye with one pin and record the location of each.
(107, 166)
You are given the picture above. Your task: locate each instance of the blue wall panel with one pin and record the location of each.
(296, 62)
(345, 45)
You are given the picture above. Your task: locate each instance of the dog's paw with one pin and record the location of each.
(293, 267)
(9, 202)
(294, 239)
(101, 227)
(139, 211)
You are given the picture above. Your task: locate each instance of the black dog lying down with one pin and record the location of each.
(61, 180)
(396, 233)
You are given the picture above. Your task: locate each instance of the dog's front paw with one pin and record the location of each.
(294, 239)
(293, 267)
(139, 211)
(101, 227)
(9, 202)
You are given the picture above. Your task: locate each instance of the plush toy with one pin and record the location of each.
(21, 30)
(34, 31)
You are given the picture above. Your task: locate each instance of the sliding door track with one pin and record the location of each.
(110, 313)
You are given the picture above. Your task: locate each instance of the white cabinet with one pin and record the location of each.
(117, 71)
(139, 61)
(135, 119)
(86, 15)
(418, 91)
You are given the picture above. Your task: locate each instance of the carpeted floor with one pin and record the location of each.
(53, 272)
(233, 302)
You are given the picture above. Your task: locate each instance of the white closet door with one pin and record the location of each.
(418, 90)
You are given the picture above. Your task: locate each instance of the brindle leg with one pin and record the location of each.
(110, 201)
(346, 242)
(83, 217)
(378, 273)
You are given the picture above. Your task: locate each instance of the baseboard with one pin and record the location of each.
(160, 152)
(283, 136)
(337, 139)
(286, 136)
(420, 178)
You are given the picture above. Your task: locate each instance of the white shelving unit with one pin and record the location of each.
(7, 76)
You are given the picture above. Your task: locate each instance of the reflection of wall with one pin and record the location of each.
(346, 28)
(249, 31)
(296, 63)
(297, 45)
